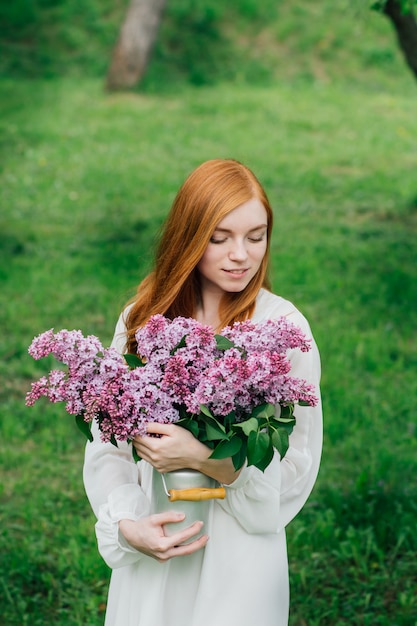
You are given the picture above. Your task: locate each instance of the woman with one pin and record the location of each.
(211, 265)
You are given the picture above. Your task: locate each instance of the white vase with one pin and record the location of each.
(194, 510)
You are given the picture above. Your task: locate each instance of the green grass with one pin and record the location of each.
(319, 103)
(205, 41)
(87, 180)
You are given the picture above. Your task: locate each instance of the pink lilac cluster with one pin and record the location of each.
(255, 370)
(183, 366)
(91, 369)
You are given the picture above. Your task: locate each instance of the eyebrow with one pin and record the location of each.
(226, 230)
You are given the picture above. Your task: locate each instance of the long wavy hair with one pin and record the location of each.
(209, 193)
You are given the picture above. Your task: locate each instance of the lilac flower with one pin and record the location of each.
(276, 335)
(184, 369)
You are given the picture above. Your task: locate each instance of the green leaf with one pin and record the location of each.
(208, 418)
(263, 463)
(133, 361)
(223, 343)
(181, 344)
(205, 410)
(286, 410)
(258, 444)
(285, 420)
(84, 426)
(248, 426)
(280, 421)
(229, 420)
(288, 427)
(265, 410)
(189, 424)
(280, 440)
(226, 448)
(215, 430)
(240, 456)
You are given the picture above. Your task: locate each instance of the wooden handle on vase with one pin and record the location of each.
(197, 494)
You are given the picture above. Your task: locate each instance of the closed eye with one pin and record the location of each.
(253, 237)
(256, 239)
(257, 235)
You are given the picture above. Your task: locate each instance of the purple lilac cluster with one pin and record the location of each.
(91, 369)
(256, 370)
(182, 366)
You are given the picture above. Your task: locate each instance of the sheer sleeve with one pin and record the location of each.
(265, 502)
(112, 482)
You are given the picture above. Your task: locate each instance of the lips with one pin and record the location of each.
(239, 272)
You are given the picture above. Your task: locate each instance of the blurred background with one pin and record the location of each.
(106, 107)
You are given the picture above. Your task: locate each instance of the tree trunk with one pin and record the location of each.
(406, 26)
(133, 49)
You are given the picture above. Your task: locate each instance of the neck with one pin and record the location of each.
(208, 311)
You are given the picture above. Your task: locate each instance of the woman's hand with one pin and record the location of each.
(173, 448)
(176, 448)
(147, 535)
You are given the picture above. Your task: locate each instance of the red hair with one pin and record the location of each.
(209, 193)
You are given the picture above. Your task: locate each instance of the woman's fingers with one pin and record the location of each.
(169, 447)
(177, 538)
(172, 517)
(153, 428)
(165, 452)
(189, 548)
(147, 535)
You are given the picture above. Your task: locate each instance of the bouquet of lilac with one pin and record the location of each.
(233, 391)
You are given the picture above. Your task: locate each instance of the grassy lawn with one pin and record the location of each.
(86, 181)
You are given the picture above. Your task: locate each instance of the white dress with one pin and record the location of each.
(241, 577)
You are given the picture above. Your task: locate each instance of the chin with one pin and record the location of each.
(236, 289)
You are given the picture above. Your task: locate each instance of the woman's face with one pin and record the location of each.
(236, 249)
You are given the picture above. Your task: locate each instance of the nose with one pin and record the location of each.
(238, 251)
